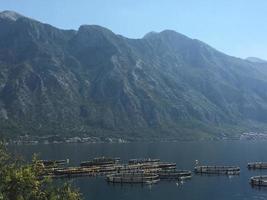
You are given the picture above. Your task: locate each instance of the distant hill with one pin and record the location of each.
(92, 81)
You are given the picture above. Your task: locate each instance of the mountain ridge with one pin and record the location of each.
(92, 81)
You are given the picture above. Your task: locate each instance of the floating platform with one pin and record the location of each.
(258, 181)
(100, 161)
(227, 170)
(133, 178)
(174, 174)
(142, 161)
(257, 165)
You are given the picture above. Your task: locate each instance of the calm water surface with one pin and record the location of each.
(183, 153)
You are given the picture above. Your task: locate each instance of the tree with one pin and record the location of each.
(22, 181)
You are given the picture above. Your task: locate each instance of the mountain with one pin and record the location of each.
(94, 82)
(256, 60)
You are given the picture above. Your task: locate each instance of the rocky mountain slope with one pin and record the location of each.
(92, 81)
(256, 60)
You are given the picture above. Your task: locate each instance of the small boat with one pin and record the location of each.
(133, 178)
(227, 170)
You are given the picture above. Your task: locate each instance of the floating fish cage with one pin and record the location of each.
(75, 171)
(128, 168)
(82, 171)
(174, 174)
(227, 170)
(145, 167)
(133, 178)
(160, 165)
(100, 161)
(53, 163)
(258, 181)
(166, 165)
(142, 161)
(257, 165)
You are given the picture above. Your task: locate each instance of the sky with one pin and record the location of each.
(235, 27)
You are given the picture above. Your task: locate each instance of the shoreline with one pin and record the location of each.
(56, 139)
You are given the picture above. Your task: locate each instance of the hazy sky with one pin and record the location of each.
(236, 27)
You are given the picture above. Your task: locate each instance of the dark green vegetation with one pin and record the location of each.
(20, 181)
(95, 82)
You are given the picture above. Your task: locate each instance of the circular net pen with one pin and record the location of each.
(133, 178)
(258, 181)
(175, 174)
(227, 170)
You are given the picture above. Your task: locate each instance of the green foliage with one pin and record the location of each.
(21, 181)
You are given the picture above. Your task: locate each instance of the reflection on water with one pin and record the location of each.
(183, 153)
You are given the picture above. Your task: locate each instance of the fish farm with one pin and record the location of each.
(142, 171)
(134, 171)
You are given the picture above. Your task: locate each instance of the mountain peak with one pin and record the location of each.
(150, 34)
(165, 34)
(172, 33)
(11, 15)
(98, 28)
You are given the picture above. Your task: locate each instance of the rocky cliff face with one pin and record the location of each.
(92, 81)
